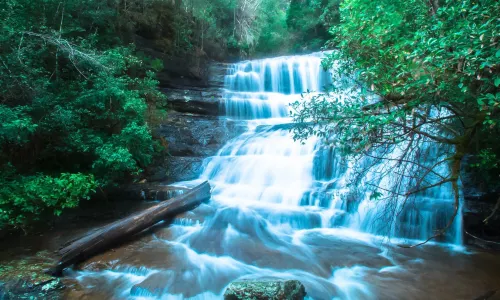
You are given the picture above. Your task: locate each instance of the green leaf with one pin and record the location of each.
(375, 195)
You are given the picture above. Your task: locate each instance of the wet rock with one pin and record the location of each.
(190, 135)
(146, 191)
(217, 73)
(186, 70)
(25, 279)
(208, 101)
(205, 98)
(194, 129)
(23, 289)
(96, 266)
(265, 289)
(479, 200)
(156, 173)
(184, 168)
(77, 295)
(76, 291)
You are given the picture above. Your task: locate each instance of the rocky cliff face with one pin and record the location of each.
(481, 196)
(195, 127)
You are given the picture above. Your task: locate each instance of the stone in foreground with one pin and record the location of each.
(261, 289)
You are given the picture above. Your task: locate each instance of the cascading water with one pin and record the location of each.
(265, 165)
(279, 208)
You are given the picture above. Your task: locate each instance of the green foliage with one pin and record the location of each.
(247, 28)
(375, 195)
(308, 22)
(487, 160)
(422, 73)
(403, 50)
(16, 126)
(24, 198)
(419, 59)
(239, 27)
(74, 105)
(274, 34)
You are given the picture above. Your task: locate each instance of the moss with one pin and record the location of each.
(25, 278)
(265, 289)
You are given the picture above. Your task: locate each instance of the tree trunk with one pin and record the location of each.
(118, 231)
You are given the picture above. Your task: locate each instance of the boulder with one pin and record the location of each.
(261, 289)
(156, 171)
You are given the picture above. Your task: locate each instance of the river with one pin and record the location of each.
(285, 209)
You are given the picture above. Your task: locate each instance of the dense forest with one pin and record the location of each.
(237, 149)
(80, 95)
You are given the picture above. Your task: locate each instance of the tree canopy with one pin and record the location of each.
(423, 74)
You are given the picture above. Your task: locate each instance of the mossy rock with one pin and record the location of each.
(26, 279)
(262, 289)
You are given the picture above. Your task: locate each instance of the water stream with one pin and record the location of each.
(284, 209)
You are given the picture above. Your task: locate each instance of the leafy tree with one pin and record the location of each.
(76, 97)
(435, 69)
(74, 105)
(309, 20)
(239, 26)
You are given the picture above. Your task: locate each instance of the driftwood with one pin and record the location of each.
(118, 231)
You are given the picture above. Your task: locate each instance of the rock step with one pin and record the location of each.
(203, 101)
(216, 73)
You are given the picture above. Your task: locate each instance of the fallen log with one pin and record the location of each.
(118, 231)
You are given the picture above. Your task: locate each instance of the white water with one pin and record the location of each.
(266, 167)
(279, 208)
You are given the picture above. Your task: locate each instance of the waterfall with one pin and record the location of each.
(263, 88)
(265, 166)
(282, 209)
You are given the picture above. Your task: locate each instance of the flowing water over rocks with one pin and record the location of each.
(282, 209)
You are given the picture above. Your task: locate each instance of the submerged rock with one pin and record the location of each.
(265, 289)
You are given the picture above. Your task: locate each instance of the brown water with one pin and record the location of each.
(206, 249)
